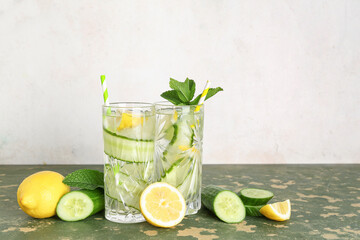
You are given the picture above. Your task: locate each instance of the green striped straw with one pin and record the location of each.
(105, 93)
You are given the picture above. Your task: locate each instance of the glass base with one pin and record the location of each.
(114, 216)
(116, 211)
(193, 207)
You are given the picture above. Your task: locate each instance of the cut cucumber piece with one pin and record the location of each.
(78, 205)
(253, 210)
(192, 183)
(144, 171)
(123, 187)
(225, 204)
(127, 149)
(164, 123)
(169, 133)
(177, 173)
(143, 131)
(255, 196)
(142, 127)
(182, 139)
(183, 133)
(174, 130)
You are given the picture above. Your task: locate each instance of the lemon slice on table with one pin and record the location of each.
(162, 205)
(279, 211)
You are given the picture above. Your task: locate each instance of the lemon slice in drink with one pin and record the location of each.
(129, 120)
(279, 211)
(162, 205)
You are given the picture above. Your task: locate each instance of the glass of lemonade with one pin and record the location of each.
(178, 149)
(128, 132)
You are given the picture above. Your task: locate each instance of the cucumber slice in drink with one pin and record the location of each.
(127, 149)
(191, 185)
(255, 196)
(143, 171)
(225, 204)
(165, 128)
(183, 133)
(78, 205)
(253, 210)
(182, 140)
(180, 160)
(136, 127)
(177, 173)
(169, 133)
(140, 132)
(123, 187)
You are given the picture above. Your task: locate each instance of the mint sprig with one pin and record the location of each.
(85, 179)
(183, 92)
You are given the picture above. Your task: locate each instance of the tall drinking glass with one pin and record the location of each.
(128, 132)
(178, 149)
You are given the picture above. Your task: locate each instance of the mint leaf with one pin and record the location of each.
(181, 96)
(182, 93)
(196, 100)
(185, 90)
(192, 86)
(211, 92)
(85, 179)
(172, 96)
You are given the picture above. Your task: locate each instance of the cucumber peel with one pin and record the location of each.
(253, 211)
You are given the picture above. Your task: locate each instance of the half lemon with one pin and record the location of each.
(162, 205)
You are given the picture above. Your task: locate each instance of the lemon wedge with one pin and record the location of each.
(162, 205)
(129, 120)
(279, 211)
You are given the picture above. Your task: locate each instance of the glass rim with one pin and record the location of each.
(139, 105)
(169, 104)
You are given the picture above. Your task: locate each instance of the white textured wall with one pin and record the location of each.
(290, 70)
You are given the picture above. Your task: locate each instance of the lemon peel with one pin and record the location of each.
(39, 193)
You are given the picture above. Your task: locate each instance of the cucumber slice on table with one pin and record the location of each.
(253, 211)
(78, 205)
(255, 196)
(226, 205)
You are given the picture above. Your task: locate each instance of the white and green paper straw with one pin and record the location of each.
(104, 88)
(105, 93)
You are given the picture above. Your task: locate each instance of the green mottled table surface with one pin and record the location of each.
(325, 201)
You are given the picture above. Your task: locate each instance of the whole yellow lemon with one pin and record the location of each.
(40, 192)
